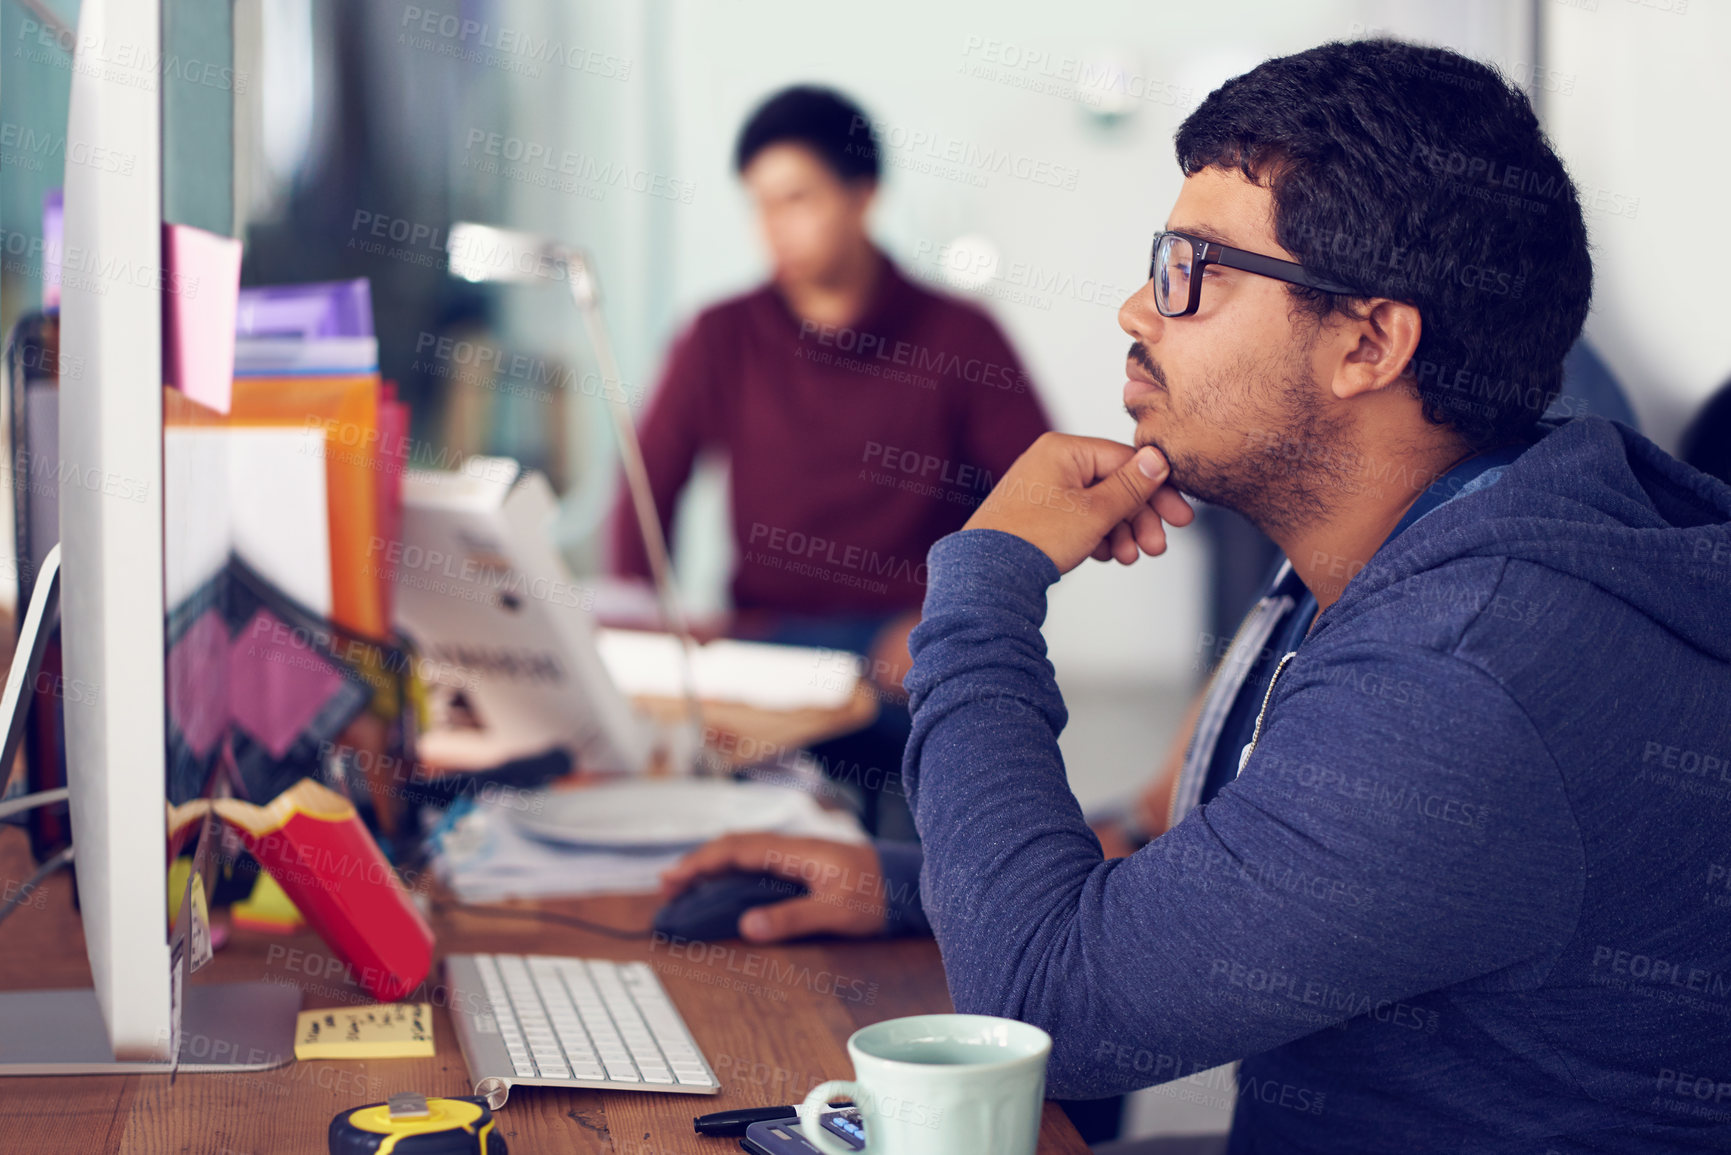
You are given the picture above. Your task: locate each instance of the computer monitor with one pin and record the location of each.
(111, 548)
(111, 603)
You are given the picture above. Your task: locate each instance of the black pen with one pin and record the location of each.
(735, 1122)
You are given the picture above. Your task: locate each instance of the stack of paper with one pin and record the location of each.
(483, 857)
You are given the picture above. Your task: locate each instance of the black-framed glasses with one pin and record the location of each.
(1177, 262)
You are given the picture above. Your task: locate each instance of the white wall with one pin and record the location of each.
(1642, 126)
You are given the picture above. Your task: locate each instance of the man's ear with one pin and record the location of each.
(1379, 346)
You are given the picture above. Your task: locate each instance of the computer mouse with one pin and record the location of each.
(710, 909)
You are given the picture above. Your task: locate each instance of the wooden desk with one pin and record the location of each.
(770, 1040)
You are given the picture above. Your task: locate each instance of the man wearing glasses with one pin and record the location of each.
(1449, 838)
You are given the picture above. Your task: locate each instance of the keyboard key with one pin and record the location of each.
(575, 1041)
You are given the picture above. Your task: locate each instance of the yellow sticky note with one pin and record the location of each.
(384, 1031)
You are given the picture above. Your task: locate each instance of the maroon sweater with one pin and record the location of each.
(852, 448)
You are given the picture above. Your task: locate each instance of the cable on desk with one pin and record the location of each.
(534, 915)
(29, 888)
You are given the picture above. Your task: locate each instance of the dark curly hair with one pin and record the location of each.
(1418, 174)
(821, 119)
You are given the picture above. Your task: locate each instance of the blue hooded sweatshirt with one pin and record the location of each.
(1470, 890)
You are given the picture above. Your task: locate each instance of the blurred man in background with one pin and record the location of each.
(863, 418)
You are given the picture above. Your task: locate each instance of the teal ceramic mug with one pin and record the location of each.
(940, 1085)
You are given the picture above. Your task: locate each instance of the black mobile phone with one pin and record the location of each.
(783, 1137)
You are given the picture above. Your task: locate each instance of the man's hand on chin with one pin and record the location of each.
(1080, 497)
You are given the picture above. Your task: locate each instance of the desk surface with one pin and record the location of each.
(738, 734)
(769, 1039)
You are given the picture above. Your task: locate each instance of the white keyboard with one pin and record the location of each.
(552, 1021)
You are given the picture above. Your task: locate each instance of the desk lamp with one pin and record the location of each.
(490, 255)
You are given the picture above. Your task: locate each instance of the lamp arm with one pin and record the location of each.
(587, 298)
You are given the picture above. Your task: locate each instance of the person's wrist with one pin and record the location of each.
(987, 559)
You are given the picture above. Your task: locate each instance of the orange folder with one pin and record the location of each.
(347, 409)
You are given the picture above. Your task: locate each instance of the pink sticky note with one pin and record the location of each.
(200, 296)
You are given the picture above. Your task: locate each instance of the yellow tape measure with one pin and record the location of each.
(411, 1124)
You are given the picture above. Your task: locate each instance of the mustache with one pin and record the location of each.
(1139, 354)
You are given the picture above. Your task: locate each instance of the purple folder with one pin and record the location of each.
(319, 309)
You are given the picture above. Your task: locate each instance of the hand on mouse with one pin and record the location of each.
(847, 888)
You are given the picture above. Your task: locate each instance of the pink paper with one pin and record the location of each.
(200, 297)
